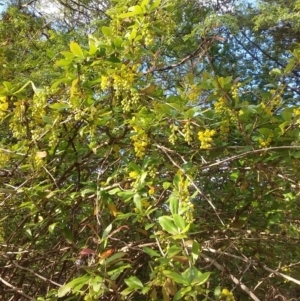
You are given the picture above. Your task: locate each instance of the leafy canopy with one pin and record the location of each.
(135, 166)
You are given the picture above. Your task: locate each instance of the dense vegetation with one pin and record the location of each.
(149, 150)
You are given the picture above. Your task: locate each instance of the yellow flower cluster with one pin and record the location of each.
(151, 190)
(296, 112)
(227, 295)
(130, 101)
(173, 136)
(3, 104)
(220, 105)
(145, 204)
(187, 130)
(272, 104)
(267, 109)
(133, 175)
(17, 125)
(193, 93)
(37, 108)
(115, 25)
(224, 129)
(4, 158)
(264, 143)
(149, 39)
(186, 206)
(105, 82)
(140, 142)
(205, 137)
(122, 82)
(235, 91)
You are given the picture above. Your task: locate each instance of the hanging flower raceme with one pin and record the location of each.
(205, 137)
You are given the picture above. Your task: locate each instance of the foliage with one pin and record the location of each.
(137, 168)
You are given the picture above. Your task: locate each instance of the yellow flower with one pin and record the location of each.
(4, 106)
(151, 190)
(104, 82)
(205, 138)
(296, 112)
(133, 174)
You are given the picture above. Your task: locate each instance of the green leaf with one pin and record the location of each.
(195, 250)
(265, 131)
(122, 216)
(275, 71)
(68, 234)
(59, 106)
(155, 4)
(62, 291)
(127, 291)
(287, 114)
(176, 181)
(151, 252)
(134, 282)
(174, 205)
(52, 227)
(168, 225)
(126, 194)
(176, 277)
(166, 185)
(77, 282)
(181, 293)
(190, 113)
(137, 10)
(106, 31)
(137, 201)
(217, 292)
(173, 250)
(114, 191)
(76, 49)
(202, 278)
(115, 257)
(179, 221)
(107, 231)
(47, 120)
(132, 35)
(8, 86)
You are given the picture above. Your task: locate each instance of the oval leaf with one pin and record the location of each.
(76, 49)
(176, 277)
(168, 225)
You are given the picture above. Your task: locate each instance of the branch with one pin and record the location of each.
(282, 275)
(28, 3)
(14, 289)
(261, 150)
(253, 262)
(37, 275)
(233, 278)
(199, 51)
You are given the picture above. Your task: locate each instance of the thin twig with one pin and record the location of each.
(261, 150)
(37, 275)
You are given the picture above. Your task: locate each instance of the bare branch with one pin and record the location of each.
(15, 289)
(233, 278)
